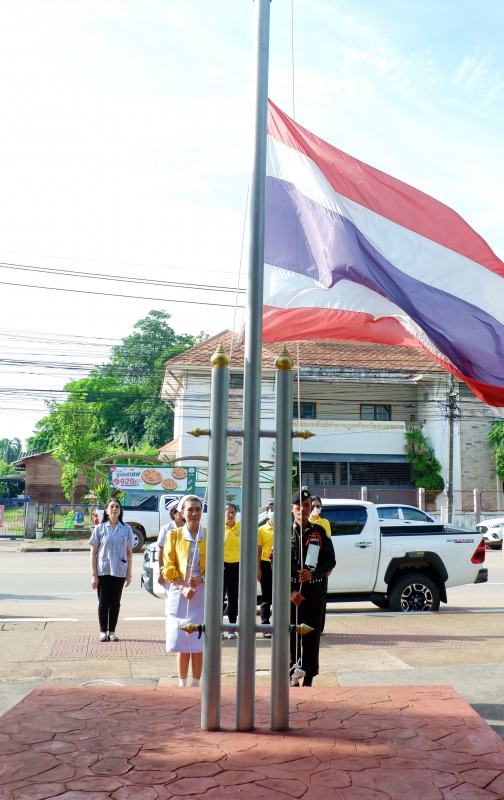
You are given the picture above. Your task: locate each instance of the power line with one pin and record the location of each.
(120, 278)
(127, 296)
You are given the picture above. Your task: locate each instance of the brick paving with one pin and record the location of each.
(88, 646)
(365, 743)
(76, 647)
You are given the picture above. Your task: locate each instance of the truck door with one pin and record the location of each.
(356, 544)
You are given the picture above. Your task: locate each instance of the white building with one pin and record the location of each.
(358, 399)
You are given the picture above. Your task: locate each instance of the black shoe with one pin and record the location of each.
(307, 681)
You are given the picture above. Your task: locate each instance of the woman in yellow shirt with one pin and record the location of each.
(264, 572)
(184, 555)
(231, 564)
(315, 518)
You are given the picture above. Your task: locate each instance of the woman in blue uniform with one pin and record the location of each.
(111, 562)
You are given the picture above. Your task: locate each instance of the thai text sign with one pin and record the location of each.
(150, 478)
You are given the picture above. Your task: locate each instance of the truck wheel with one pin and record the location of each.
(414, 592)
(138, 540)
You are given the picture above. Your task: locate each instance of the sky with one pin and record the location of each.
(125, 153)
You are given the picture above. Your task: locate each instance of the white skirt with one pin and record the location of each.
(179, 611)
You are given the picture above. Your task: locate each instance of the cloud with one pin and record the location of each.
(477, 76)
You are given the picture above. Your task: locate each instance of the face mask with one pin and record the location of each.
(316, 511)
(271, 515)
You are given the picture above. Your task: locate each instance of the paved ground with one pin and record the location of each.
(383, 721)
(344, 744)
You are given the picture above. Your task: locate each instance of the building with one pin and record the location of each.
(42, 475)
(358, 399)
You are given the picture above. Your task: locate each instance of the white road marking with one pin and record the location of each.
(39, 619)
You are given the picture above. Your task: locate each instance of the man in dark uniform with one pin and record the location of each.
(312, 557)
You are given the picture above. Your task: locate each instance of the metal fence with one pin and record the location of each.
(12, 514)
(71, 517)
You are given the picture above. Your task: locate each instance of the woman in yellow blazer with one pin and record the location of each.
(184, 556)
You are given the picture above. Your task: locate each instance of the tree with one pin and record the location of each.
(117, 406)
(496, 439)
(10, 450)
(77, 445)
(420, 454)
(10, 488)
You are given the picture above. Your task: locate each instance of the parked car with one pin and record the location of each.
(404, 567)
(395, 514)
(492, 531)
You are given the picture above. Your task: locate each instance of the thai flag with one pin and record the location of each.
(352, 253)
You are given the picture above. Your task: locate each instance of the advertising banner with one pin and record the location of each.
(180, 480)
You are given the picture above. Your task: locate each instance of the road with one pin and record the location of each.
(58, 585)
(48, 611)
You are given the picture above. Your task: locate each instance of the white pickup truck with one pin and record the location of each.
(398, 568)
(148, 517)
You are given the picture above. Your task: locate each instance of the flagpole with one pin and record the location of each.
(245, 691)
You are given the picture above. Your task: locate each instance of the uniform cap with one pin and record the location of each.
(188, 497)
(181, 502)
(300, 495)
(172, 505)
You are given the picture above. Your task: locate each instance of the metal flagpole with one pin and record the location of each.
(279, 707)
(245, 691)
(214, 578)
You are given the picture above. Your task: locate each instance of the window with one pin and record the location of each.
(149, 503)
(308, 410)
(415, 514)
(236, 380)
(388, 512)
(346, 520)
(377, 412)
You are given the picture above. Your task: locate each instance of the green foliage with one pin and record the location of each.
(9, 489)
(10, 450)
(426, 467)
(496, 439)
(77, 445)
(115, 409)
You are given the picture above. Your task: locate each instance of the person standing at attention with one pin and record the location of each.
(184, 555)
(111, 562)
(231, 564)
(317, 519)
(316, 515)
(264, 571)
(176, 521)
(312, 557)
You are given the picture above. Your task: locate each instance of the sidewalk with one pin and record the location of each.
(20, 545)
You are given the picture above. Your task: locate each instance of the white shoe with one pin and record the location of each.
(113, 637)
(232, 635)
(103, 637)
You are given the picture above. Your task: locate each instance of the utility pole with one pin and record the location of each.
(452, 415)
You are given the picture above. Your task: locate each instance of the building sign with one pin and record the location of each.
(181, 480)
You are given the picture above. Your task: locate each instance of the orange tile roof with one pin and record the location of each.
(331, 354)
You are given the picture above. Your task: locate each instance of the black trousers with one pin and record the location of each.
(231, 580)
(109, 601)
(266, 591)
(310, 612)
